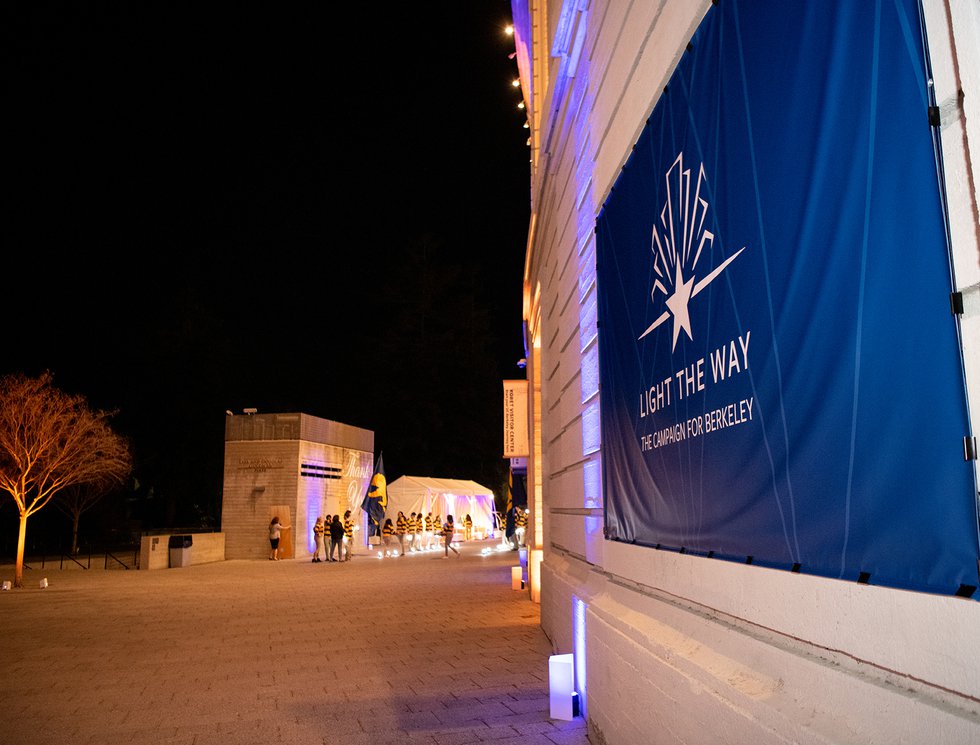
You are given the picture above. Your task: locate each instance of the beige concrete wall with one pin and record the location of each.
(153, 552)
(344, 489)
(259, 476)
(301, 478)
(205, 549)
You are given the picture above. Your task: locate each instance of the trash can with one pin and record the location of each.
(180, 550)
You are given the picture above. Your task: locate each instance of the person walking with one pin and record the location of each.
(318, 540)
(348, 536)
(448, 529)
(275, 535)
(336, 538)
(401, 528)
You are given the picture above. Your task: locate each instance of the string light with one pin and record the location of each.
(516, 82)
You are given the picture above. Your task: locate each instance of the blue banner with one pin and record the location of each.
(781, 374)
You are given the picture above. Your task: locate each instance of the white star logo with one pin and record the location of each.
(682, 220)
(677, 305)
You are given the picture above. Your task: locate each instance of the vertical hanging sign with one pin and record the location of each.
(515, 419)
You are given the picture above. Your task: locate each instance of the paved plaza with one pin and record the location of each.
(418, 649)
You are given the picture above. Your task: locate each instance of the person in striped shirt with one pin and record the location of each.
(348, 536)
(437, 531)
(387, 531)
(520, 525)
(418, 531)
(411, 532)
(429, 527)
(317, 539)
(401, 528)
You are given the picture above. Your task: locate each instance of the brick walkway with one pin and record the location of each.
(413, 650)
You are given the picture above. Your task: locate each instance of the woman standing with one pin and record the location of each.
(318, 539)
(348, 536)
(437, 530)
(275, 533)
(386, 533)
(336, 538)
(401, 528)
(417, 528)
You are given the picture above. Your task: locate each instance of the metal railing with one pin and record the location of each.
(108, 559)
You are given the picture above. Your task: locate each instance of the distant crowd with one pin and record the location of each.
(333, 535)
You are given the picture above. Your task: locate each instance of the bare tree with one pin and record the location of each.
(50, 440)
(76, 499)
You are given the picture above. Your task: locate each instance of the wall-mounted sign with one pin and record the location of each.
(259, 464)
(781, 376)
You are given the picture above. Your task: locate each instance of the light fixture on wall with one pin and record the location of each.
(534, 573)
(578, 640)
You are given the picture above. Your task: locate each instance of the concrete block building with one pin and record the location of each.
(296, 467)
(692, 166)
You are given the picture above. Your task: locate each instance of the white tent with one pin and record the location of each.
(443, 497)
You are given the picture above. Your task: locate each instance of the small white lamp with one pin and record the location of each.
(561, 686)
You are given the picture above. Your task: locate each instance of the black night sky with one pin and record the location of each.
(214, 206)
